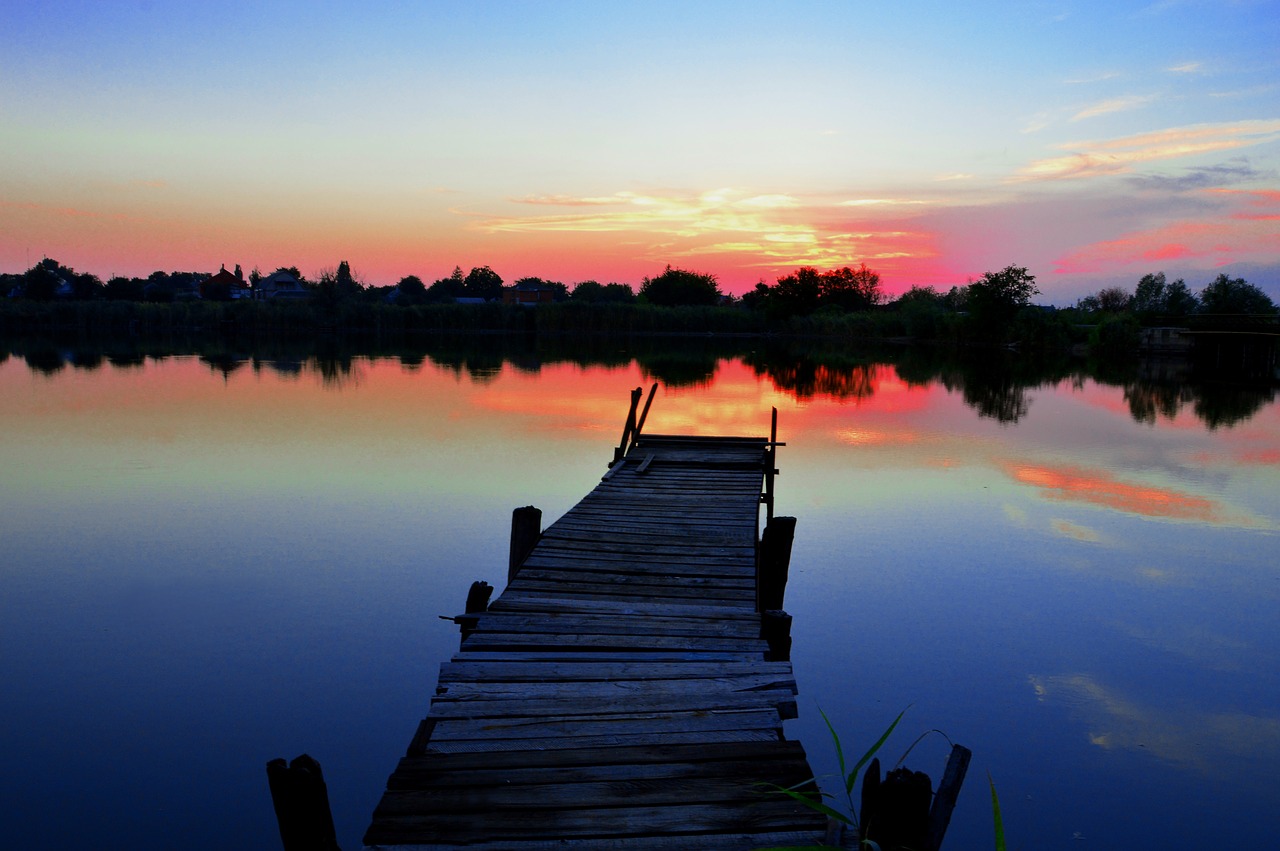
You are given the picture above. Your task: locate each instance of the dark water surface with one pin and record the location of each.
(209, 562)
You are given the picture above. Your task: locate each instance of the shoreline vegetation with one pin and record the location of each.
(994, 311)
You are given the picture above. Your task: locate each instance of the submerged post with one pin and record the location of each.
(301, 801)
(526, 529)
(773, 562)
(775, 629)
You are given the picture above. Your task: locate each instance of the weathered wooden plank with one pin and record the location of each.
(616, 694)
(460, 669)
(433, 771)
(515, 706)
(597, 624)
(515, 824)
(639, 590)
(489, 641)
(704, 842)
(614, 790)
(512, 601)
(622, 690)
(630, 656)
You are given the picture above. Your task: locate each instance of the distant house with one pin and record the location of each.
(528, 292)
(280, 284)
(232, 284)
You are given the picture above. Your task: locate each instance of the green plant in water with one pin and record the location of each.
(849, 778)
(995, 810)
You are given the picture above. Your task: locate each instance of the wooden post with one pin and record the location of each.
(895, 811)
(629, 427)
(301, 801)
(771, 468)
(948, 790)
(477, 603)
(635, 435)
(526, 529)
(775, 628)
(773, 561)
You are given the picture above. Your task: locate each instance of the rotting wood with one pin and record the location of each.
(622, 691)
(526, 528)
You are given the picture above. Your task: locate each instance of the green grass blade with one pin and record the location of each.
(995, 810)
(816, 806)
(835, 738)
(866, 757)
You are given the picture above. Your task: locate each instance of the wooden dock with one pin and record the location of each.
(619, 694)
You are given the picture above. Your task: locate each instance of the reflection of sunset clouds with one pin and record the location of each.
(1067, 529)
(1096, 487)
(1210, 741)
(873, 437)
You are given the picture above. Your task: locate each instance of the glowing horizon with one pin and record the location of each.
(576, 142)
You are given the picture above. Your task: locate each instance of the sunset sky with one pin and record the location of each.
(1091, 142)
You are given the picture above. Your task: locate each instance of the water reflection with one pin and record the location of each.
(942, 558)
(1000, 386)
(1216, 743)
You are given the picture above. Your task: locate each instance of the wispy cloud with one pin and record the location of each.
(1237, 170)
(1095, 78)
(1185, 68)
(761, 229)
(1113, 156)
(1120, 104)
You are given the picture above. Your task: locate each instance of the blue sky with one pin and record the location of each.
(1091, 142)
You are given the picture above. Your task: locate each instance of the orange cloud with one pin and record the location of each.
(756, 230)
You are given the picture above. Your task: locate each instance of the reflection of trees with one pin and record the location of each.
(1147, 400)
(997, 397)
(337, 370)
(44, 359)
(806, 380)
(86, 359)
(675, 370)
(1225, 405)
(223, 362)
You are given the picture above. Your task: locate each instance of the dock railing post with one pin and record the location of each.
(526, 529)
(301, 801)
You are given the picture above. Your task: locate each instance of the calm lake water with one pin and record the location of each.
(208, 563)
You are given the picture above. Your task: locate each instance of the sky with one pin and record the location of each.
(1090, 142)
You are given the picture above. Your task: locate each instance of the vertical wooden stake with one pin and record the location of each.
(477, 603)
(773, 561)
(948, 790)
(526, 529)
(775, 628)
(301, 801)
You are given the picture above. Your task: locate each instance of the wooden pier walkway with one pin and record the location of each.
(618, 693)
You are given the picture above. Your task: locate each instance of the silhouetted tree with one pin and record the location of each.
(124, 289)
(1149, 298)
(1179, 301)
(1113, 300)
(681, 287)
(851, 289)
(447, 289)
(1234, 295)
(483, 282)
(796, 294)
(996, 297)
